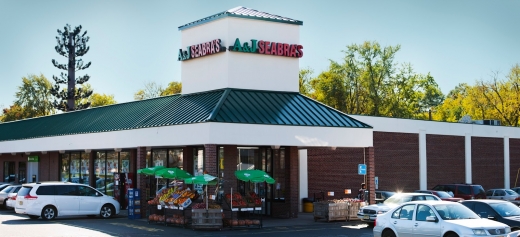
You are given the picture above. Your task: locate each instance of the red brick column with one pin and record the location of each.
(230, 166)
(141, 179)
(293, 185)
(210, 163)
(371, 186)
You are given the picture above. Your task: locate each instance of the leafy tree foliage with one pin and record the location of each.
(71, 44)
(369, 82)
(152, 90)
(33, 99)
(497, 98)
(101, 100)
(173, 88)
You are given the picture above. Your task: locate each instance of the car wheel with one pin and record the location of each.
(4, 205)
(49, 213)
(33, 217)
(388, 233)
(106, 211)
(452, 235)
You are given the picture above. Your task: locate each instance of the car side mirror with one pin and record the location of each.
(431, 219)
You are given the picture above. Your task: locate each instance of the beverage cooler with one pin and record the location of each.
(134, 203)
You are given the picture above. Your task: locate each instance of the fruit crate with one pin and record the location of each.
(353, 210)
(206, 219)
(331, 211)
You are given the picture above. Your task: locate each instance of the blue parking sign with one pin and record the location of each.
(362, 169)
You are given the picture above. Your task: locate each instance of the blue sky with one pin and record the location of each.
(135, 42)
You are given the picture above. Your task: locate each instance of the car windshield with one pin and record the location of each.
(511, 192)
(443, 194)
(455, 211)
(506, 209)
(397, 199)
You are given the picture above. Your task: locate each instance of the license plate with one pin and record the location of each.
(20, 202)
(366, 217)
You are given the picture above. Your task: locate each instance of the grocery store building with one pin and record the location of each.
(240, 108)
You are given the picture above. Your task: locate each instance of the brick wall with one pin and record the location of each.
(487, 162)
(445, 159)
(142, 180)
(370, 183)
(334, 171)
(397, 160)
(514, 162)
(210, 163)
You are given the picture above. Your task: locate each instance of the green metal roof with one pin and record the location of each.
(243, 12)
(223, 105)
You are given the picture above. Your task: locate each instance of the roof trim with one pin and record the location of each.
(245, 13)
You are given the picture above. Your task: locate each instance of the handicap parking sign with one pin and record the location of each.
(362, 169)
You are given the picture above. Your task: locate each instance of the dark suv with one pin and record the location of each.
(465, 191)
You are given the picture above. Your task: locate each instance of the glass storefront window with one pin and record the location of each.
(112, 168)
(175, 158)
(220, 161)
(75, 168)
(22, 176)
(124, 161)
(159, 158)
(9, 169)
(198, 161)
(85, 164)
(65, 168)
(100, 170)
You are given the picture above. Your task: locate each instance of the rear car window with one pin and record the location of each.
(8, 189)
(24, 191)
(46, 190)
(477, 189)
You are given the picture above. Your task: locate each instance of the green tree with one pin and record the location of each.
(151, 90)
(33, 99)
(71, 44)
(305, 77)
(454, 106)
(173, 88)
(101, 100)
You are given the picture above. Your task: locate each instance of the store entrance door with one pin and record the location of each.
(257, 158)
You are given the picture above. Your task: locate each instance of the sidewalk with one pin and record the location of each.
(303, 219)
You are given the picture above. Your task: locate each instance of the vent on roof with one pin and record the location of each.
(493, 122)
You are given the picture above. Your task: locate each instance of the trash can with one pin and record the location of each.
(307, 205)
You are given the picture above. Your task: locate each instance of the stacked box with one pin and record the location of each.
(206, 219)
(331, 211)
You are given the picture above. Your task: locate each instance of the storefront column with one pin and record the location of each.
(294, 182)
(210, 163)
(141, 179)
(467, 166)
(187, 159)
(507, 181)
(423, 166)
(371, 173)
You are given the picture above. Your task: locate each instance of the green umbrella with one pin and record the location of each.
(150, 170)
(202, 179)
(173, 173)
(254, 176)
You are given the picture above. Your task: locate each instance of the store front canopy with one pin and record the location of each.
(224, 116)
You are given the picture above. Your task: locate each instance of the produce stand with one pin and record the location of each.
(207, 218)
(243, 214)
(205, 215)
(171, 207)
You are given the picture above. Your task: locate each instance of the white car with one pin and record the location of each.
(52, 199)
(11, 199)
(5, 192)
(368, 214)
(436, 218)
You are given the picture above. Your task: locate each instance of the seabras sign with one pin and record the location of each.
(253, 46)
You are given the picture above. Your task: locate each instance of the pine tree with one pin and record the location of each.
(71, 44)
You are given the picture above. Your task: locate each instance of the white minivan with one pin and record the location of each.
(52, 199)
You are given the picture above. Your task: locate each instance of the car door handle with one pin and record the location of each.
(416, 224)
(395, 222)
